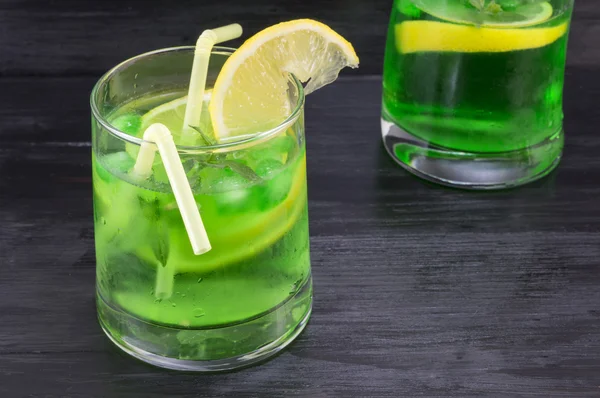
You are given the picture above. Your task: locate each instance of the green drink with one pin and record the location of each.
(472, 91)
(200, 197)
(252, 292)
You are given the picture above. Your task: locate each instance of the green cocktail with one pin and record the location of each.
(472, 90)
(251, 293)
(200, 199)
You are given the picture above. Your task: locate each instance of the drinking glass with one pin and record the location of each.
(249, 296)
(472, 90)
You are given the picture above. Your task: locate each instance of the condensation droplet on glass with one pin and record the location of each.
(198, 312)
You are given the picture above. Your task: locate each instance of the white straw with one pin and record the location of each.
(161, 136)
(204, 45)
(158, 136)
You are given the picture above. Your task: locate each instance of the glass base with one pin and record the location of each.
(470, 170)
(208, 350)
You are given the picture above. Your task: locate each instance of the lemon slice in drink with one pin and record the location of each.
(459, 12)
(490, 36)
(428, 36)
(171, 115)
(244, 236)
(250, 94)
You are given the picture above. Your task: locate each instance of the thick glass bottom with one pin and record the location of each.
(219, 348)
(471, 170)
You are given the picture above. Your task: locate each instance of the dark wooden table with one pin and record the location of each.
(419, 290)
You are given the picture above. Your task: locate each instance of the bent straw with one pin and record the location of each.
(158, 136)
(204, 45)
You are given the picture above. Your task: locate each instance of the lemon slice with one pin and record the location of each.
(258, 230)
(171, 115)
(250, 94)
(424, 36)
(458, 12)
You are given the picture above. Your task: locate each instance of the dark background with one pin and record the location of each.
(87, 37)
(419, 290)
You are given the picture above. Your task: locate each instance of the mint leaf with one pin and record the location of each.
(242, 170)
(479, 4)
(493, 7)
(239, 168)
(490, 8)
(208, 140)
(217, 157)
(218, 160)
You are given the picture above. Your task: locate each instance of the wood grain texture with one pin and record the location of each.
(74, 37)
(419, 290)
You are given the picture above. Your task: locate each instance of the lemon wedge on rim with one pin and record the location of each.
(250, 94)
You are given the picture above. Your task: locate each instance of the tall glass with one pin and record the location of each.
(249, 296)
(472, 90)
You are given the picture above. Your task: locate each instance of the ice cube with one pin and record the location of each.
(268, 168)
(114, 164)
(283, 144)
(277, 183)
(221, 180)
(129, 123)
(279, 149)
(230, 189)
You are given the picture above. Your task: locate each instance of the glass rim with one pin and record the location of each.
(226, 146)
